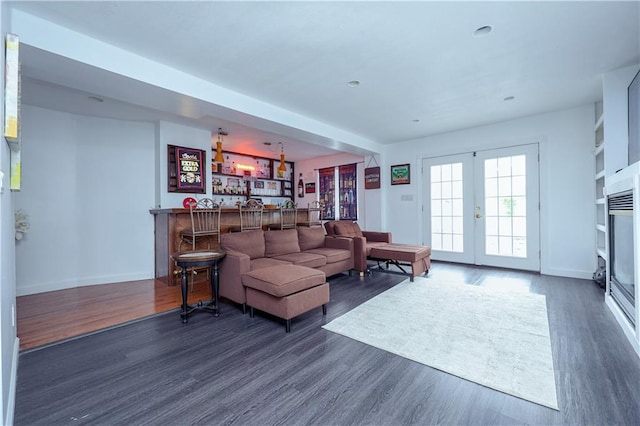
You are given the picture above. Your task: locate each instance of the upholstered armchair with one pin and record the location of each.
(363, 241)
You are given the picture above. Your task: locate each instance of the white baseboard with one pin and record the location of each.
(13, 382)
(569, 273)
(24, 290)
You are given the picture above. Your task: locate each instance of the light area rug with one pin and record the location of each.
(498, 339)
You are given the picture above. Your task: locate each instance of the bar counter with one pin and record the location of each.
(169, 223)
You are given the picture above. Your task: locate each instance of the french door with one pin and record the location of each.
(483, 207)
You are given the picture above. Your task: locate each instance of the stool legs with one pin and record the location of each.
(215, 288)
(212, 306)
(185, 314)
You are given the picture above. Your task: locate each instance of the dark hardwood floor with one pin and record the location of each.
(247, 371)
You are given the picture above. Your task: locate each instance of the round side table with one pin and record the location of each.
(195, 259)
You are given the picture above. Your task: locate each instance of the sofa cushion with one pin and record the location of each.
(281, 242)
(332, 255)
(284, 280)
(266, 262)
(310, 238)
(401, 252)
(250, 243)
(328, 226)
(310, 260)
(347, 229)
(371, 245)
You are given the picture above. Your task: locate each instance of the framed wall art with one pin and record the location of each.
(186, 172)
(401, 174)
(310, 188)
(372, 178)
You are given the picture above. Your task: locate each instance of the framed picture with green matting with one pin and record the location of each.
(400, 174)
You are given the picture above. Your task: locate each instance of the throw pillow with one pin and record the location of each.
(250, 243)
(281, 242)
(347, 229)
(310, 238)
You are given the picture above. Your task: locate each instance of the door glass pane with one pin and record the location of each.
(436, 190)
(518, 186)
(505, 206)
(436, 225)
(436, 241)
(435, 173)
(457, 225)
(491, 187)
(491, 167)
(436, 208)
(446, 207)
(491, 206)
(456, 189)
(519, 226)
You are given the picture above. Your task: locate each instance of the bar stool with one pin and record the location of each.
(250, 216)
(205, 223)
(313, 218)
(288, 216)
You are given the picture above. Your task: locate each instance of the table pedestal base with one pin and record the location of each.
(194, 259)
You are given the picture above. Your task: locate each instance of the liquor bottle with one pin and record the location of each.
(300, 187)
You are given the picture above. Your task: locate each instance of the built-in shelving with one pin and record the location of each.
(243, 176)
(600, 173)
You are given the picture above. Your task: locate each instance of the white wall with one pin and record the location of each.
(175, 134)
(88, 185)
(566, 182)
(372, 200)
(8, 336)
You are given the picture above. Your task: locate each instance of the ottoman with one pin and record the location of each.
(418, 257)
(286, 291)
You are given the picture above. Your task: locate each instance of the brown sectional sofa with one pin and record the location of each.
(363, 241)
(252, 250)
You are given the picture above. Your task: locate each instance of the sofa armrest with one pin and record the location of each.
(344, 243)
(359, 254)
(376, 236)
(231, 268)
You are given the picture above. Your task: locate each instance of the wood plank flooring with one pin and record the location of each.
(247, 371)
(49, 317)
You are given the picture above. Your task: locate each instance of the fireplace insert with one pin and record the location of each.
(621, 252)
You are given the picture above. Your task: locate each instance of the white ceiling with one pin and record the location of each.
(414, 60)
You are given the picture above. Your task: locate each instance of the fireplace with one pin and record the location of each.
(623, 253)
(621, 248)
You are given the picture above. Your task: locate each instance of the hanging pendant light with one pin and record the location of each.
(282, 167)
(219, 158)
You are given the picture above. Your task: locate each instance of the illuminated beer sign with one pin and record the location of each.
(189, 162)
(186, 169)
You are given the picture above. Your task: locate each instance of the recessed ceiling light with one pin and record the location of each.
(95, 98)
(353, 83)
(509, 98)
(482, 31)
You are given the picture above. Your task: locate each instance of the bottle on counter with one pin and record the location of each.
(300, 187)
